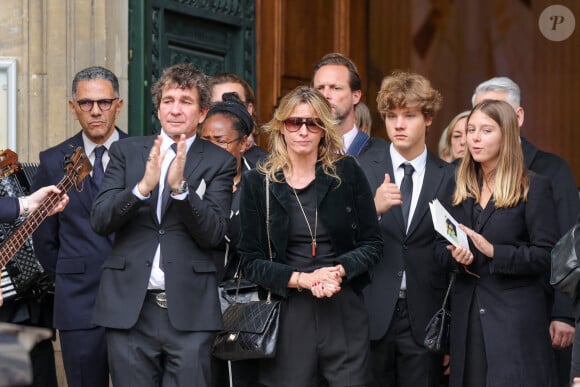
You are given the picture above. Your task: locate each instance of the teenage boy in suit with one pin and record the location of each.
(407, 286)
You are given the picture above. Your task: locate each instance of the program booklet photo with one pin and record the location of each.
(447, 226)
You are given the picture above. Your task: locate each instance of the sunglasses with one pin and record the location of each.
(293, 124)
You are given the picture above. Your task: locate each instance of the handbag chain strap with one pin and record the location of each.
(268, 299)
(451, 281)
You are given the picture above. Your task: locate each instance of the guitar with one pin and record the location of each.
(8, 163)
(77, 167)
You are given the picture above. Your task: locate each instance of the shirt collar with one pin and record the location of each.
(90, 145)
(349, 136)
(418, 162)
(167, 141)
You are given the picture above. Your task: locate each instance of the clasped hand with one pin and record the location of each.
(153, 167)
(324, 282)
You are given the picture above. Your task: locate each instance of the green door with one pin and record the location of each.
(215, 36)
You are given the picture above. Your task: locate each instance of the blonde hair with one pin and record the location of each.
(330, 148)
(445, 141)
(510, 174)
(362, 117)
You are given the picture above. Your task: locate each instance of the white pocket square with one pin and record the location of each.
(200, 191)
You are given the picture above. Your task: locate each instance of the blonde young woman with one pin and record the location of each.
(452, 141)
(499, 326)
(324, 236)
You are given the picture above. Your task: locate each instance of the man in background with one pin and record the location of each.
(66, 246)
(338, 79)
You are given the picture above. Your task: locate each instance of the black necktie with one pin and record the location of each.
(165, 198)
(98, 170)
(407, 190)
(166, 188)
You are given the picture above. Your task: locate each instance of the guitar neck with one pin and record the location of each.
(21, 233)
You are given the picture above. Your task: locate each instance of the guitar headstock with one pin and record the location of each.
(8, 163)
(77, 166)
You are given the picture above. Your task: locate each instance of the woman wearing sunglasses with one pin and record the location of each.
(324, 237)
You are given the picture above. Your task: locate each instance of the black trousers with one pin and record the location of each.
(322, 342)
(399, 361)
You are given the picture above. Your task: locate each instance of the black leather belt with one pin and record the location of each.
(158, 296)
(402, 294)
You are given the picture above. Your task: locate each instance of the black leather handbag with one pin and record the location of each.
(250, 328)
(565, 275)
(437, 330)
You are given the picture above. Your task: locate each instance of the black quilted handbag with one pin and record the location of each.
(437, 330)
(250, 331)
(251, 328)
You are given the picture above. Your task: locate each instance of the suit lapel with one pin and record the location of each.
(485, 215)
(323, 185)
(432, 179)
(397, 211)
(529, 152)
(155, 193)
(280, 192)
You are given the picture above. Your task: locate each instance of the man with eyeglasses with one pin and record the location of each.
(70, 251)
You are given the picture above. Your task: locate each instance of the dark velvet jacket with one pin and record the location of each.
(346, 210)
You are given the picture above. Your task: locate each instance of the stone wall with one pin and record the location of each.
(52, 40)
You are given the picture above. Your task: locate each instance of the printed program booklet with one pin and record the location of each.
(447, 226)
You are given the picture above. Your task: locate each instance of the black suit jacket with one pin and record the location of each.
(411, 252)
(66, 246)
(188, 230)
(557, 170)
(347, 211)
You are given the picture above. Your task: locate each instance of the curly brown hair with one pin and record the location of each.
(183, 76)
(402, 89)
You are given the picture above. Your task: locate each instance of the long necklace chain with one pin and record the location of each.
(312, 235)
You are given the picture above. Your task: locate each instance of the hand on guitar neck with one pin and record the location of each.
(30, 203)
(45, 202)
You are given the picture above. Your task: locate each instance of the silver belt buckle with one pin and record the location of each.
(161, 300)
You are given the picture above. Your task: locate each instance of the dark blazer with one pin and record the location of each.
(557, 170)
(510, 293)
(411, 252)
(65, 244)
(254, 155)
(373, 146)
(9, 209)
(347, 211)
(187, 232)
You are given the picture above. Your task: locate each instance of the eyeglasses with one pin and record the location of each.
(225, 144)
(104, 104)
(293, 124)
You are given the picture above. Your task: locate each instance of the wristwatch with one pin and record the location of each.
(181, 189)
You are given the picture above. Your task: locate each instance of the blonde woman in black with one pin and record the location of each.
(324, 237)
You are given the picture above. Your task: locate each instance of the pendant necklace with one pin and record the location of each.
(312, 235)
